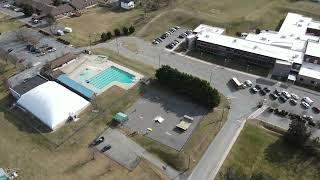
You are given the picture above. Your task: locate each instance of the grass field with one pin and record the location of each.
(195, 147)
(35, 158)
(95, 21)
(258, 149)
(7, 23)
(241, 15)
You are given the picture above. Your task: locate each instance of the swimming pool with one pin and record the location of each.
(109, 75)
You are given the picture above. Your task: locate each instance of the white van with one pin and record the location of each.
(307, 100)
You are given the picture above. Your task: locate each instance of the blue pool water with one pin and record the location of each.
(110, 74)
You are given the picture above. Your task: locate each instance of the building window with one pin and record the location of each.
(301, 79)
(312, 82)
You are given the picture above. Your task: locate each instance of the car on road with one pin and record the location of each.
(274, 96)
(294, 96)
(316, 110)
(257, 87)
(106, 148)
(307, 100)
(248, 83)
(305, 105)
(286, 94)
(293, 102)
(254, 90)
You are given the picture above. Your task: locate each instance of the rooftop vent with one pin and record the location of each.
(255, 47)
(282, 37)
(263, 38)
(207, 36)
(234, 41)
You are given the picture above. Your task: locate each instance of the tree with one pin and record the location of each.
(104, 37)
(258, 31)
(57, 2)
(27, 10)
(261, 176)
(117, 32)
(193, 87)
(125, 30)
(297, 134)
(131, 29)
(234, 174)
(109, 34)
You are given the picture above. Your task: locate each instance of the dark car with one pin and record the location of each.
(274, 96)
(316, 110)
(282, 99)
(98, 141)
(293, 102)
(262, 92)
(278, 93)
(258, 87)
(106, 148)
(311, 123)
(170, 46)
(266, 89)
(253, 90)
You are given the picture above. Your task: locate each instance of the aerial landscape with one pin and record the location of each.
(160, 89)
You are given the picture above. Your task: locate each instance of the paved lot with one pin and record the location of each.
(242, 104)
(123, 150)
(128, 153)
(171, 38)
(170, 107)
(19, 15)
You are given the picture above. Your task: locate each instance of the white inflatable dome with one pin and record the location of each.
(52, 103)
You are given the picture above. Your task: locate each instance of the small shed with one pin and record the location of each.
(120, 117)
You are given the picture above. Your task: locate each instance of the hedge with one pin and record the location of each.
(185, 84)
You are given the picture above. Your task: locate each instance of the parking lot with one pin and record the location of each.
(171, 38)
(17, 44)
(157, 102)
(123, 150)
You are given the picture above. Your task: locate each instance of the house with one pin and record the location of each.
(127, 4)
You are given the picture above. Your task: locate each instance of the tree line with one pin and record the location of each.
(125, 31)
(185, 84)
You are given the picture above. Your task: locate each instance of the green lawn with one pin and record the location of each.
(24, 148)
(8, 23)
(258, 149)
(240, 15)
(94, 21)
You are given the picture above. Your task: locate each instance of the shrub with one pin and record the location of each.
(131, 29)
(271, 110)
(125, 30)
(27, 10)
(109, 35)
(297, 134)
(197, 89)
(117, 32)
(104, 37)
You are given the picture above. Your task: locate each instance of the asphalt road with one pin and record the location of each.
(242, 102)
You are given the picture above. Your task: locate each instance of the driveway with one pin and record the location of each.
(242, 103)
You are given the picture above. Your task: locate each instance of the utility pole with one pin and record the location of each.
(211, 76)
(117, 44)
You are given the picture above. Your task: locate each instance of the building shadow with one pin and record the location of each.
(231, 86)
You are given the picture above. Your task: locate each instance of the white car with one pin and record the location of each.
(6, 6)
(248, 83)
(52, 50)
(307, 100)
(305, 105)
(286, 94)
(294, 96)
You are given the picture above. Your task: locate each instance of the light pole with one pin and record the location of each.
(117, 45)
(211, 75)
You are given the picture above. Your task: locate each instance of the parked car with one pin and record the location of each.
(294, 96)
(257, 87)
(266, 89)
(307, 100)
(283, 99)
(293, 102)
(316, 109)
(52, 50)
(305, 105)
(262, 92)
(286, 94)
(106, 148)
(155, 42)
(254, 90)
(176, 27)
(97, 141)
(274, 96)
(277, 92)
(248, 83)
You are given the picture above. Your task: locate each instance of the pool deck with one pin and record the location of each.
(93, 65)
